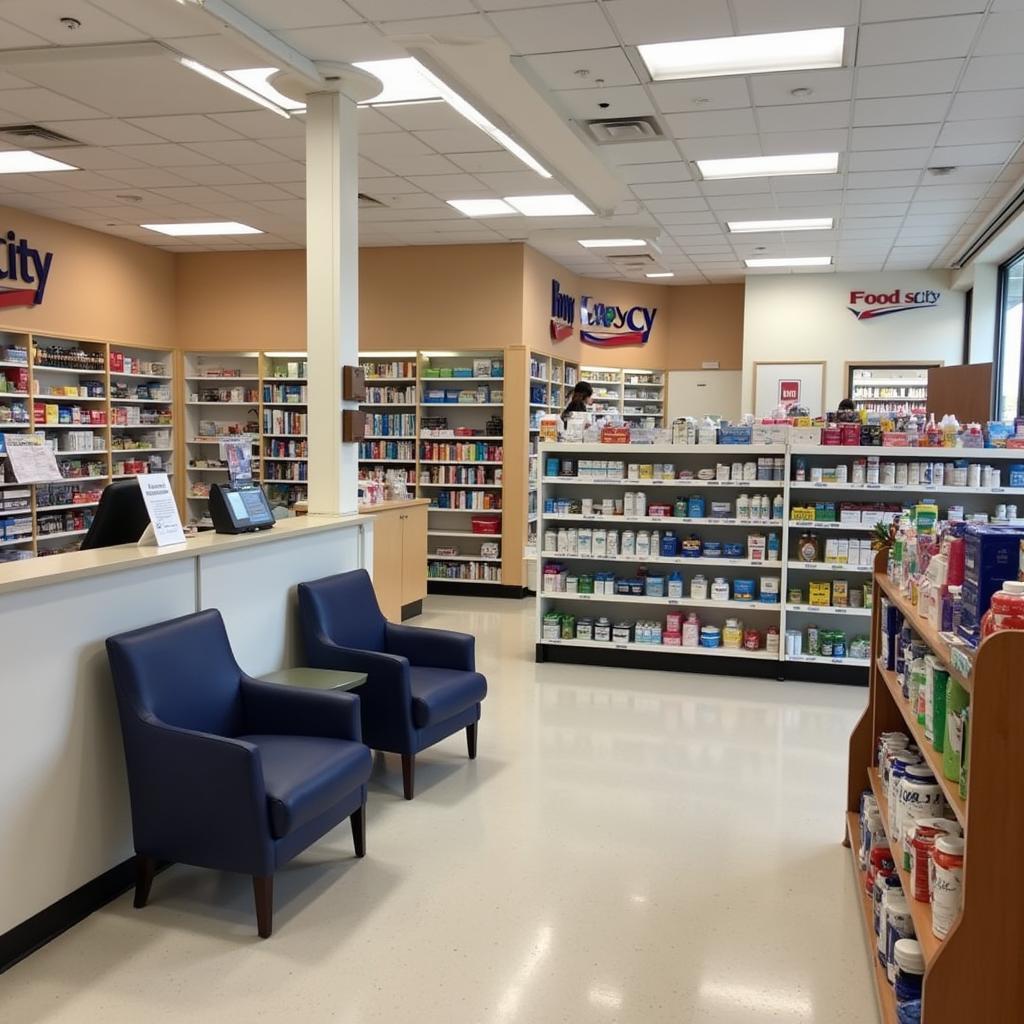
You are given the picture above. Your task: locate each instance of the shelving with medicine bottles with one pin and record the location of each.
(388, 452)
(932, 813)
(284, 446)
(460, 467)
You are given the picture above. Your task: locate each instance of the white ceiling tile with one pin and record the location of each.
(240, 152)
(519, 183)
(215, 51)
(458, 140)
(420, 117)
(43, 105)
(826, 86)
(393, 144)
(92, 158)
(343, 43)
(658, 21)
(891, 160)
(414, 201)
(900, 110)
(386, 186)
(701, 94)
(634, 174)
(825, 140)
(993, 153)
(167, 154)
(559, 70)
(981, 174)
(758, 16)
(666, 190)
(1002, 34)
(993, 129)
(893, 136)
(259, 192)
(882, 179)
(451, 186)
(461, 26)
(807, 183)
(737, 186)
(725, 146)
(925, 39)
(197, 195)
(876, 210)
(678, 205)
(711, 124)
(488, 162)
(43, 20)
(897, 10)
(186, 127)
(420, 163)
(641, 152)
(751, 202)
(148, 177)
(918, 78)
(546, 29)
(280, 171)
(687, 217)
(214, 174)
(803, 117)
(262, 124)
(862, 196)
(788, 199)
(294, 149)
(619, 101)
(968, 106)
(273, 14)
(1000, 72)
(16, 38)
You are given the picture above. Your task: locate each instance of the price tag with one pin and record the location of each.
(998, 490)
(622, 647)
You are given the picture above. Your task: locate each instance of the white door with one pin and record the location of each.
(704, 393)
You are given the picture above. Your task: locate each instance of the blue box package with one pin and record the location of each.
(992, 555)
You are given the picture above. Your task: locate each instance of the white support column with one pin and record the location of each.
(332, 294)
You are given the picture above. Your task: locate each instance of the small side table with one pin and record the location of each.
(316, 678)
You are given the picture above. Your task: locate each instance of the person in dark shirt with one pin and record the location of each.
(582, 395)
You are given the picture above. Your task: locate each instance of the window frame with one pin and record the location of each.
(1001, 290)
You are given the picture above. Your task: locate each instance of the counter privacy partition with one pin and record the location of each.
(63, 796)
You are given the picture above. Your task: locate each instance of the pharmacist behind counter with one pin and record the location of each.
(581, 397)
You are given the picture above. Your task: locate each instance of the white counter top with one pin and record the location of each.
(38, 572)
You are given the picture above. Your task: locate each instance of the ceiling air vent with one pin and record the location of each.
(34, 134)
(368, 202)
(609, 131)
(633, 261)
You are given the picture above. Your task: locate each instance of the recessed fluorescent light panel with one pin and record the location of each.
(549, 206)
(230, 83)
(746, 227)
(745, 55)
(791, 261)
(24, 161)
(210, 227)
(769, 166)
(661, 273)
(258, 80)
(611, 243)
(405, 79)
(482, 207)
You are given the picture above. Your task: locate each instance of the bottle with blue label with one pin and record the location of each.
(669, 546)
(695, 506)
(777, 507)
(675, 585)
(774, 547)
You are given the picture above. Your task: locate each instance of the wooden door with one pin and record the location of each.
(414, 554)
(387, 562)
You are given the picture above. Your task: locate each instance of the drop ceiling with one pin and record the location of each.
(932, 83)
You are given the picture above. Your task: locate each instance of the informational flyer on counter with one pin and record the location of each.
(162, 508)
(32, 462)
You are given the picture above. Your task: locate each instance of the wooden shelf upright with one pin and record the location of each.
(975, 973)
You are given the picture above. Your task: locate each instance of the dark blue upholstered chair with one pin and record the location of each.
(225, 771)
(422, 684)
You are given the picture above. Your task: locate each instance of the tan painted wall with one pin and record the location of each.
(416, 297)
(692, 324)
(99, 286)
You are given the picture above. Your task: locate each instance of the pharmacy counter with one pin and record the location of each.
(63, 794)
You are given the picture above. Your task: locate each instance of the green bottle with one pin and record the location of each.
(957, 699)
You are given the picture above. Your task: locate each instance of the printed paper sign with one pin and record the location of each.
(163, 511)
(789, 391)
(31, 461)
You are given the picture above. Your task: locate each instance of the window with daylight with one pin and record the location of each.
(1011, 337)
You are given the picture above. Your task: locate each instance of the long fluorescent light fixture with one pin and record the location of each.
(745, 55)
(482, 207)
(745, 227)
(211, 227)
(406, 79)
(230, 83)
(790, 261)
(661, 273)
(24, 161)
(611, 243)
(769, 166)
(549, 206)
(257, 80)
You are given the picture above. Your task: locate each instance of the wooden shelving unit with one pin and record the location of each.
(974, 973)
(106, 409)
(284, 420)
(391, 392)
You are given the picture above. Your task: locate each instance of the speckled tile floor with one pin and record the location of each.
(629, 848)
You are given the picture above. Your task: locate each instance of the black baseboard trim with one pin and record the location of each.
(475, 589)
(50, 922)
(709, 664)
(411, 610)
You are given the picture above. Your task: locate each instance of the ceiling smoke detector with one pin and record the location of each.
(610, 131)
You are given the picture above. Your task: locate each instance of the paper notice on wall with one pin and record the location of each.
(32, 462)
(162, 508)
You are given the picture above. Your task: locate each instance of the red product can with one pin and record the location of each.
(881, 863)
(752, 640)
(674, 622)
(832, 435)
(923, 847)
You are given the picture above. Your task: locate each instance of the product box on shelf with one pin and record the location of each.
(992, 555)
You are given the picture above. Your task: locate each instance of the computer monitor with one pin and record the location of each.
(121, 517)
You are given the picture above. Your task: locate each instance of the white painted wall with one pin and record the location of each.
(704, 393)
(795, 317)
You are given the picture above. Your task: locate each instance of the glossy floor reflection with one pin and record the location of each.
(641, 847)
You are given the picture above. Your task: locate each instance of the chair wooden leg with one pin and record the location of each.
(471, 740)
(408, 774)
(263, 890)
(358, 819)
(145, 868)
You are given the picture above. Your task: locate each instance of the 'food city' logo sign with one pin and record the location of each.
(610, 326)
(26, 268)
(869, 305)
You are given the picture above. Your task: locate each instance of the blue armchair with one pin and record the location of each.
(225, 771)
(422, 684)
